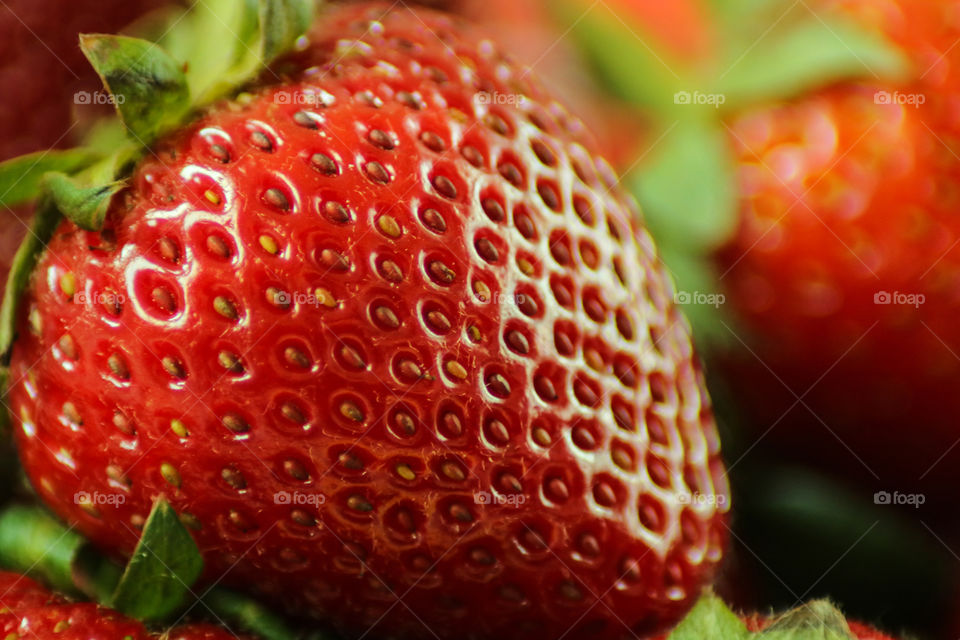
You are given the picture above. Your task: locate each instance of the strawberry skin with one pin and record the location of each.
(31, 611)
(400, 358)
(845, 198)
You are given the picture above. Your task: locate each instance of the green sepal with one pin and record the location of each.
(33, 542)
(148, 87)
(250, 616)
(281, 23)
(45, 220)
(688, 187)
(163, 568)
(625, 64)
(710, 619)
(20, 177)
(815, 620)
(804, 56)
(84, 206)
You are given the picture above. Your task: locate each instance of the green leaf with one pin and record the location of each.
(45, 220)
(805, 55)
(710, 619)
(250, 616)
(84, 206)
(281, 23)
(219, 38)
(688, 189)
(32, 541)
(165, 564)
(147, 86)
(20, 177)
(815, 620)
(626, 63)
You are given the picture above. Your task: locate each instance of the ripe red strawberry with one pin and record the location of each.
(28, 610)
(844, 268)
(399, 356)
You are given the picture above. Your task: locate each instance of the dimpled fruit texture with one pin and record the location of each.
(386, 336)
(30, 611)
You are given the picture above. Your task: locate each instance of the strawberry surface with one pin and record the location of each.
(844, 269)
(28, 610)
(399, 353)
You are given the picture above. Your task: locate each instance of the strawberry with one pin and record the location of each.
(30, 611)
(842, 270)
(387, 335)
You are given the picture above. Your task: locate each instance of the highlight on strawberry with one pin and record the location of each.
(344, 311)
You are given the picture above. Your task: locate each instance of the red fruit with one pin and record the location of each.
(850, 203)
(31, 611)
(399, 356)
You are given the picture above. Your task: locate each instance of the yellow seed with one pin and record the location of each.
(61, 626)
(350, 411)
(269, 244)
(481, 290)
(456, 370)
(405, 472)
(36, 323)
(541, 437)
(170, 474)
(474, 332)
(212, 196)
(68, 284)
(325, 298)
(622, 459)
(388, 225)
(179, 428)
(525, 266)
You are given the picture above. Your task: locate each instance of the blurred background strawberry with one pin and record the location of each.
(797, 162)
